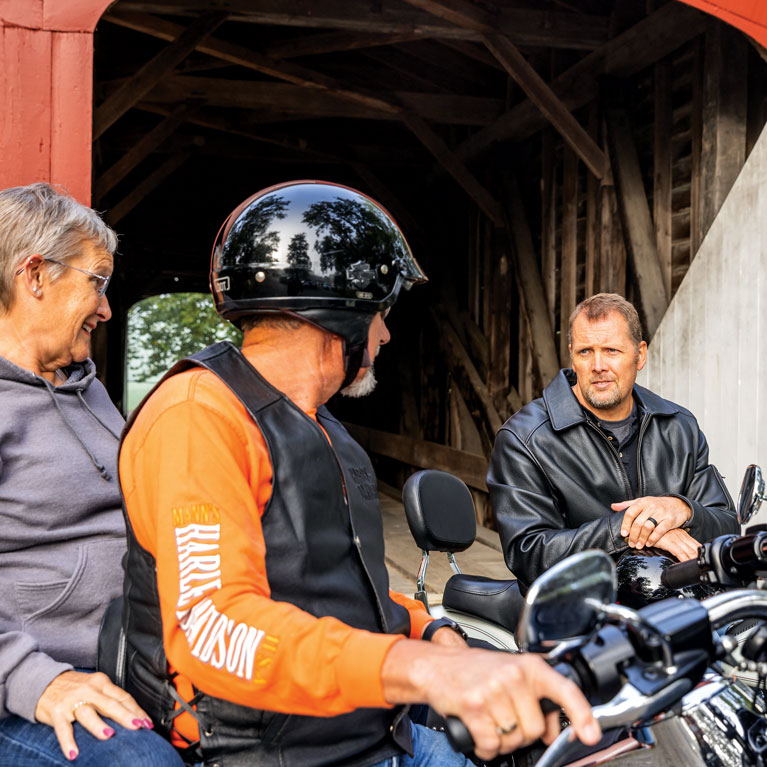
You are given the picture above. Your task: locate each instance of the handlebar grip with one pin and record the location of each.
(682, 574)
(458, 733)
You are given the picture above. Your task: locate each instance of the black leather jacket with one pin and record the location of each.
(553, 476)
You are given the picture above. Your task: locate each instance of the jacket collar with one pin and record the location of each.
(565, 411)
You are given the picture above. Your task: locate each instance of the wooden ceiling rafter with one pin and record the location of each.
(449, 109)
(217, 123)
(142, 149)
(184, 42)
(466, 14)
(309, 79)
(139, 192)
(524, 26)
(245, 57)
(334, 42)
(648, 41)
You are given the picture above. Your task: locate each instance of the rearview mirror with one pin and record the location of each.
(564, 602)
(751, 494)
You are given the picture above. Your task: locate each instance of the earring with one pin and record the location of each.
(36, 291)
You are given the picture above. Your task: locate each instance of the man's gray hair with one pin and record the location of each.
(600, 305)
(39, 219)
(272, 320)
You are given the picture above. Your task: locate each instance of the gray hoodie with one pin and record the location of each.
(62, 534)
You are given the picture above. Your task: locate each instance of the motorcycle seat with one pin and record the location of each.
(497, 601)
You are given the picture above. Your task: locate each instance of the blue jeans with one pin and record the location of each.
(430, 749)
(28, 744)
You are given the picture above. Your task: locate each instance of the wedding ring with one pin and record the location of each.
(77, 705)
(653, 520)
(506, 730)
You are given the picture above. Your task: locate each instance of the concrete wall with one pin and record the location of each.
(709, 352)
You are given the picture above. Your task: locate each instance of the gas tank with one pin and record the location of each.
(639, 579)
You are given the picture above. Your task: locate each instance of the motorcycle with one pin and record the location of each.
(653, 675)
(657, 675)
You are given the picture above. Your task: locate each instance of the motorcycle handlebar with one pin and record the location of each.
(682, 574)
(458, 733)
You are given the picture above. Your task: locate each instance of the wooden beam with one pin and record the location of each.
(216, 122)
(592, 212)
(531, 289)
(549, 221)
(637, 222)
(499, 288)
(333, 42)
(546, 100)
(725, 99)
(612, 246)
(153, 71)
(142, 149)
(662, 186)
(461, 363)
(146, 187)
(291, 99)
(245, 57)
(469, 467)
(568, 273)
(473, 51)
(525, 26)
(466, 14)
(696, 140)
(434, 143)
(632, 51)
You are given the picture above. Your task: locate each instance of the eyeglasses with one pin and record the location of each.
(100, 281)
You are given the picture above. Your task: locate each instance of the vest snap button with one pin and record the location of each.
(208, 733)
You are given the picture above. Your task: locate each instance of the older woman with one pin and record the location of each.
(62, 526)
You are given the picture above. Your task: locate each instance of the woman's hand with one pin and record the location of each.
(85, 698)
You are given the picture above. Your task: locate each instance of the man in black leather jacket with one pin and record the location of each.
(599, 462)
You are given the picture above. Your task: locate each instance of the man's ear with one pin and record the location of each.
(641, 355)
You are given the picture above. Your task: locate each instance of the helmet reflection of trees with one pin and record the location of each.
(250, 240)
(352, 231)
(298, 251)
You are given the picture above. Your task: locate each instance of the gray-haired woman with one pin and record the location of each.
(62, 527)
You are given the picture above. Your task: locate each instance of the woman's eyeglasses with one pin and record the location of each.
(100, 282)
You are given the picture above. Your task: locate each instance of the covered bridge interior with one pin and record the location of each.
(533, 152)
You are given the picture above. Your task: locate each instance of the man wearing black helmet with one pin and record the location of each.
(260, 624)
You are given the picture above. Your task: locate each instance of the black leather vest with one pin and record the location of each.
(324, 554)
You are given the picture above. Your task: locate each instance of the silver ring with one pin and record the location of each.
(506, 730)
(77, 705)
(653, 520)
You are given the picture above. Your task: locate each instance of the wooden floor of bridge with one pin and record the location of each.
(403, 557)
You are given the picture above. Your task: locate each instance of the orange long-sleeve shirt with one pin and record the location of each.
(196, 476)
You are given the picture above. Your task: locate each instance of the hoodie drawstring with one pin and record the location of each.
(100, 467)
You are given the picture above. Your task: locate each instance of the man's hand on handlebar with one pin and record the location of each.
(646, 520)
(496, 695)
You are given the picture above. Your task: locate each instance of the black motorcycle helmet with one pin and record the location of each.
(322, 251)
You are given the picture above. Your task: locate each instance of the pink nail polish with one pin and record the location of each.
(148, 724)
(137, 723)
(108, 732)
(72, 755)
